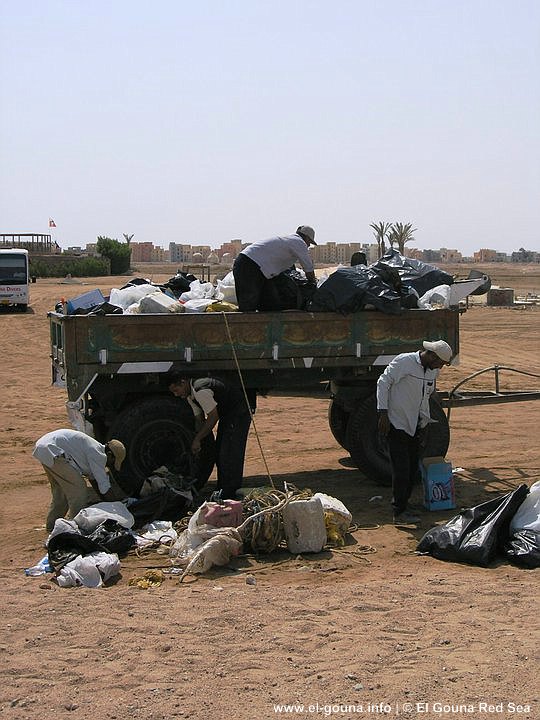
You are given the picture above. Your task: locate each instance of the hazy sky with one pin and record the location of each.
(208, 120)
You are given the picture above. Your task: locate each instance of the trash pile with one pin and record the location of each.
(507, 526)
(182, 293)
(85, 551)
(391, 284)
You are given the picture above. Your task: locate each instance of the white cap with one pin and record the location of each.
(441, 348)
(308, 233)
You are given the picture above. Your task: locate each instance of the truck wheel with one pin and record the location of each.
(338, 418)
(158, 431)
(370, 451)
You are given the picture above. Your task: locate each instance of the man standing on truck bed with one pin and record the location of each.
(403, 392)
(263, 260)
(213, 402)
(68, 455)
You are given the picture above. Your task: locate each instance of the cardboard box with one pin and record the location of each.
(438, 484)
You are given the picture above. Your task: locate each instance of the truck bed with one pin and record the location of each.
(274, 349)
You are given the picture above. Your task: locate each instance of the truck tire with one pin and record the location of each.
(370, 452)
(338, 419)
(158, 431)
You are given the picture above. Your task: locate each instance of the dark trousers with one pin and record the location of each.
(249, 282)
(404, 456)
(231, 439)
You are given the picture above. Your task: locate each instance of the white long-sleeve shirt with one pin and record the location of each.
(83, 452)
(277, 254)
(404, 389)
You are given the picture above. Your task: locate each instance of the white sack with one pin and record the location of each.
(129, 295)
(527, 516)
(89, 518)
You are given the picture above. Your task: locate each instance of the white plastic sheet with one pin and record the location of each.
(89, 518)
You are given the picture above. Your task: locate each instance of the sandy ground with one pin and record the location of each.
(367, 630)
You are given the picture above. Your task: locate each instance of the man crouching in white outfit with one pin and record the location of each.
(67, 457)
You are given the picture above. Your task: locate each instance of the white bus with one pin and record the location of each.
(14, 278)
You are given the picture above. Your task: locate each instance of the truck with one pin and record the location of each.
(114, 368)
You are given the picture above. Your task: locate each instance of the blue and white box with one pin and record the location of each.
(438, 483)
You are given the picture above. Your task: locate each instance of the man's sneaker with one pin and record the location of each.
(406, 518)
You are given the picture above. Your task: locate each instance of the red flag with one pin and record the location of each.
(52, 223)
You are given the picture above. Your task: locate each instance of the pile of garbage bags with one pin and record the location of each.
(389, 285)
(507, 526)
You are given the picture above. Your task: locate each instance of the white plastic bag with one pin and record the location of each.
(527, 516)
(89, 518)
(438, 298)
(198, 290)
(89, 570)
(197, 305)
(158, 302)
(129, 295)
(226, 287)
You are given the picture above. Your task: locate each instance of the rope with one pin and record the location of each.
(247, 399)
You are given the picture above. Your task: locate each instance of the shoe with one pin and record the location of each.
(406, 518)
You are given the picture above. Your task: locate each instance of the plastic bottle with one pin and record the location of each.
(41, 568)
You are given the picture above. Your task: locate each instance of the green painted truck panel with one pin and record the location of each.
(282, 349)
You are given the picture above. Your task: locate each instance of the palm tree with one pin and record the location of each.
(400, 234)
(128, 238)
(381, 230)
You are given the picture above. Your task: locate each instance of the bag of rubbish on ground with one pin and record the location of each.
(523, 548)
(89, 571)
(201, 546)
(528, 515)
(337, 518)
(90, 517)
(476, 534)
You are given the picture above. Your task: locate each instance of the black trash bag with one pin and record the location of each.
(66, 546)
(179, 283)
(415, 273)
(349, 289)
(165, 504)
(115, 538)
(476, 534)
(137, 281)
(105, 308)
(290, 290)
(523, 549)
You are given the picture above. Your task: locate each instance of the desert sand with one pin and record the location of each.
(369, 629)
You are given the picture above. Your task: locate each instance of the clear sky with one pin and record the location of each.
(203, 121)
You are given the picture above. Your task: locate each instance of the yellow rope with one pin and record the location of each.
(247, 399)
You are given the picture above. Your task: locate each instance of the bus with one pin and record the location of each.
(14, 278)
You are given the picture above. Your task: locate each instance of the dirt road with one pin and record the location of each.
(350, 630)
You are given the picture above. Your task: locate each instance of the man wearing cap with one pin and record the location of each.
(261, 261)
(67, 456)
(403, 392)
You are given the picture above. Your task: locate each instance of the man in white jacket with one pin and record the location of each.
(403, 392)
(68, 456)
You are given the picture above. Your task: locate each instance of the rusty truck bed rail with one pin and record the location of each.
(459, 398)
